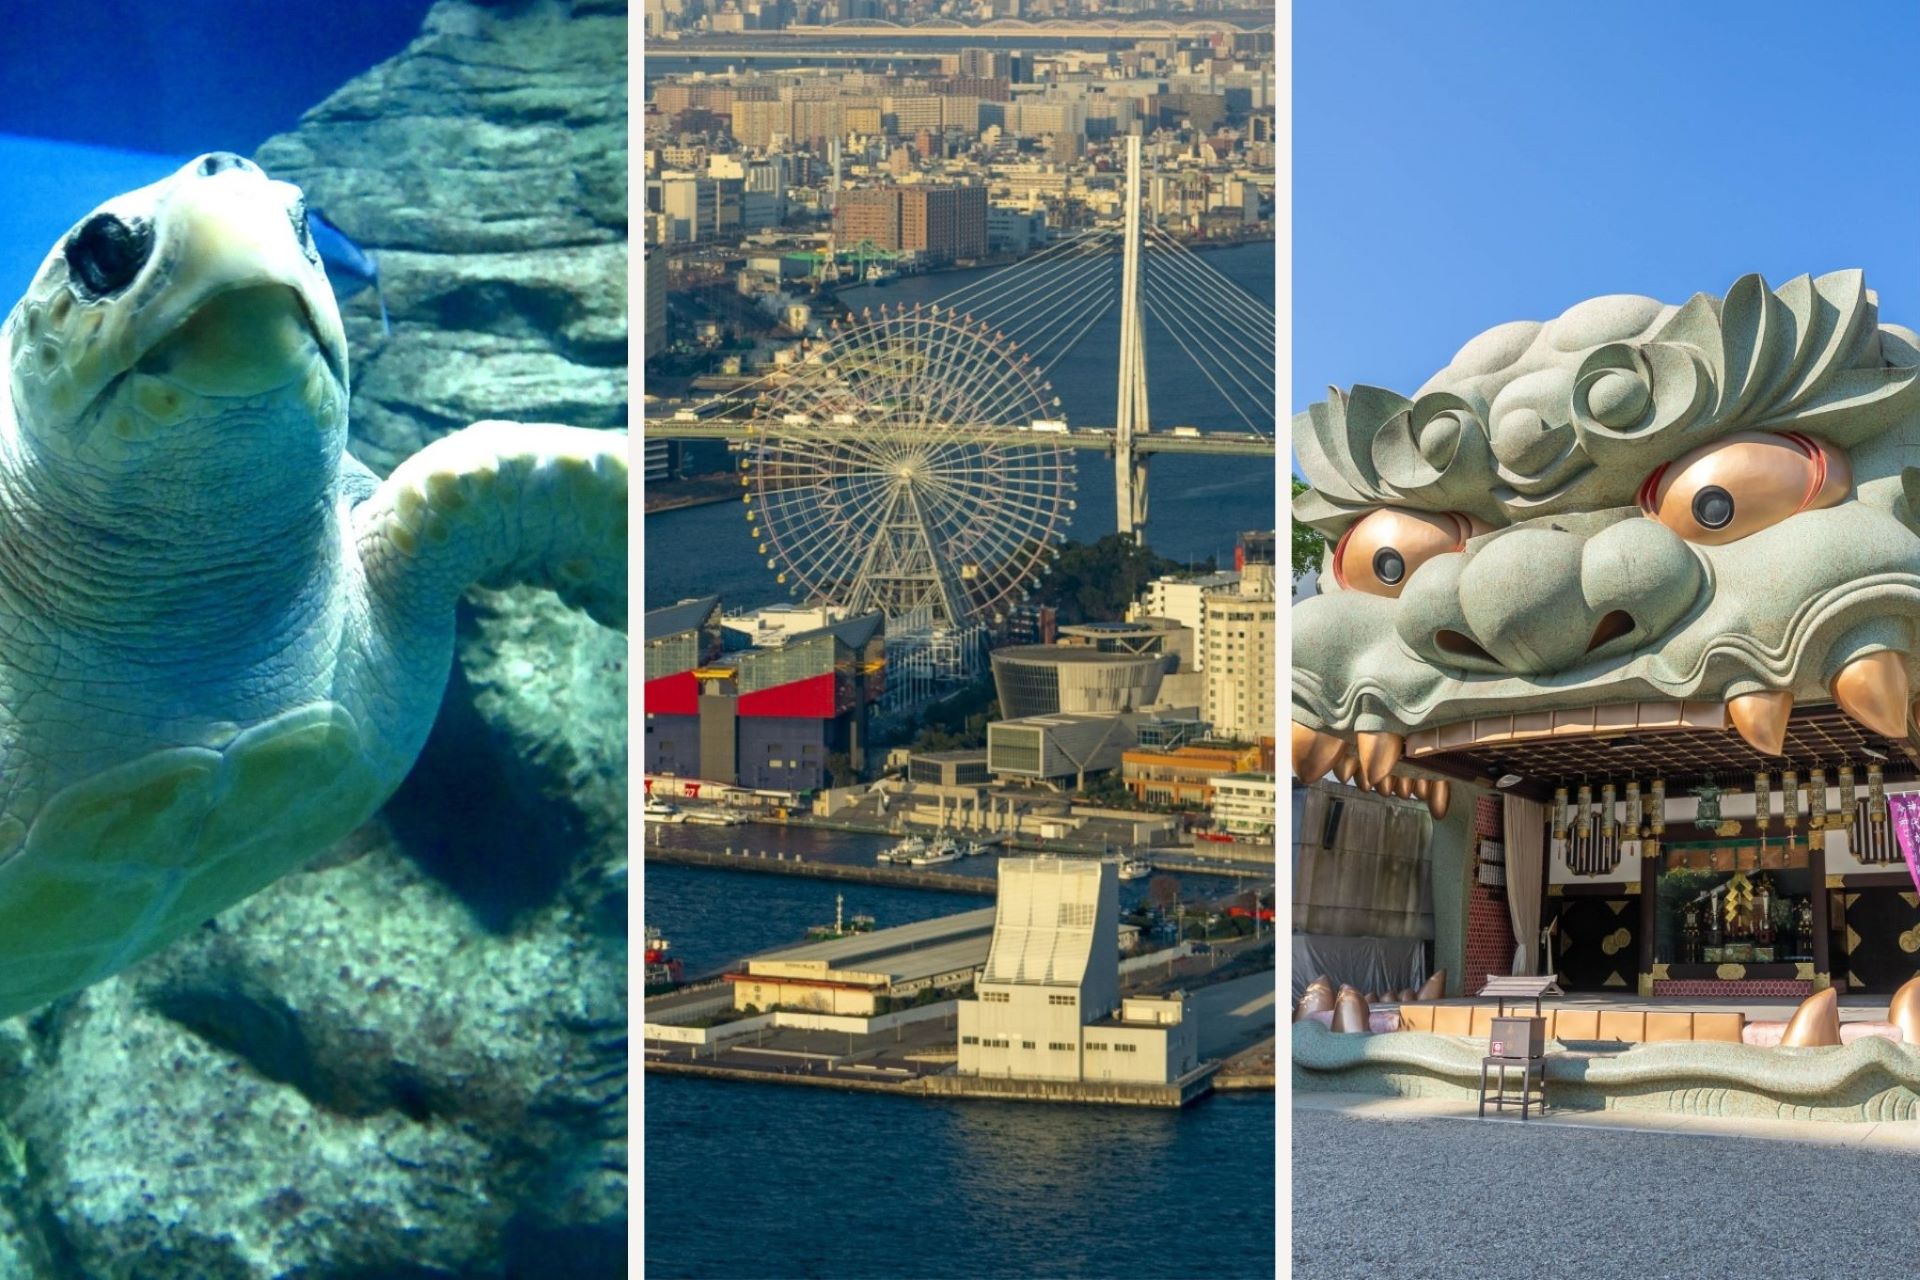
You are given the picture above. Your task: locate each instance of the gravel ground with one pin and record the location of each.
(1456, 1200)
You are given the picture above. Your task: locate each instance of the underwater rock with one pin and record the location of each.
(340, 1076)
(485, 166)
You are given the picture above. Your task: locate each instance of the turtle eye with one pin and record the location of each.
(1743, 484)
(107, 252)
(1378, 554)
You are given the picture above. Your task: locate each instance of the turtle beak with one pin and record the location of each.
(231, 256)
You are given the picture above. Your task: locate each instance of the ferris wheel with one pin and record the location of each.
(899, 468)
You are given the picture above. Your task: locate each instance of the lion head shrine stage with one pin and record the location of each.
(1611, 676)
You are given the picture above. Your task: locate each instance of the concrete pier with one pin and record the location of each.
(1107, 1092)
(894, 877)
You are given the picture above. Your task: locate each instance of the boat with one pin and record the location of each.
(716, 817)
(841, 926)
(906, 851)
(878, 275)
(944, 850)
(1135, 868)
(658, 810)
(973, 849)
(662, 972)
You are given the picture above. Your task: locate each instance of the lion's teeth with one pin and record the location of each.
(1439, 796)
(1303, 739)
(1762, 719)
(1379, 752)
(1326, 749)
(1873, 690)
(1347, 767)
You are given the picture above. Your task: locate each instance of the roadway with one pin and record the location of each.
(1235, 1013)
(948, 29)
(1161, 440)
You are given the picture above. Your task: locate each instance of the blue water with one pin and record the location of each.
(50, 187)
(210, 75)
(1197, 506)
(771, 1180)
(714, 918)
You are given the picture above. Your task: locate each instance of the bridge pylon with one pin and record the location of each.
(1130, 465)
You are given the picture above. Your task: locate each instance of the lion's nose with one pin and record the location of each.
(1538, 601)
(1519, 594)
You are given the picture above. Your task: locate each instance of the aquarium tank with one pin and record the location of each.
(402, 1052)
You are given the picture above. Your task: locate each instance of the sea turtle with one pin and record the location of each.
(222, 639)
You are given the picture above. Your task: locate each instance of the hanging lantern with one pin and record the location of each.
(1583, 811)
(1790, 799)
(1631, 823)
(1657, 818)
(1876, 793)
(1762, 801)
(1849, 797)
(1817, 799)
(1606, 812)
(1706, 814)
(1559, 813)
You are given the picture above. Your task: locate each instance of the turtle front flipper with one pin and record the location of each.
(499, 504)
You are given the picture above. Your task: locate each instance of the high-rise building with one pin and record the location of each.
(868, 213)
(984, 63)
(1185, 601)
(757, 124)
(904, 115)
(690, 206)
(1011, 229)
(1035, 117)
(1238, 639)
(991, 88)
(653, 286)
(944, 223)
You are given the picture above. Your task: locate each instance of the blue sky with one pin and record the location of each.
(1457, 166)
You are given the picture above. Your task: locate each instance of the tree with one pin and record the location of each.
(1095, 582)
(1309, 545)
(840, 770)
(959, 721)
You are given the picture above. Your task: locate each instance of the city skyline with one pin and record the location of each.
(932, 323)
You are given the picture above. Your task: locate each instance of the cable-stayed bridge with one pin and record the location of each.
(920, 387)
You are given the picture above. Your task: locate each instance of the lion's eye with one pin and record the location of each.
(1378, 554)
(1743, 484)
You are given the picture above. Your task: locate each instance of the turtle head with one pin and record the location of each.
(186, 327)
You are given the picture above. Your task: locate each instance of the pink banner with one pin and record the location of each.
(1905, 812)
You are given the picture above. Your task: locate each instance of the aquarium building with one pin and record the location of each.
(770, 716)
